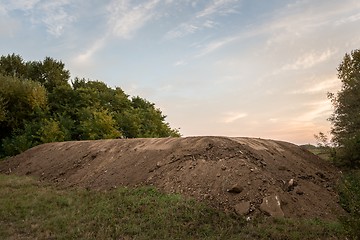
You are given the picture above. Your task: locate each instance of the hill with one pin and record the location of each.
(246, 175)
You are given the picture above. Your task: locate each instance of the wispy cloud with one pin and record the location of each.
(321, 109)
(309, 60)
(180, 63)
(125, 19)
(2, 10)
(215, 45)
(87, 55)
(274, 120)
(203, 19)
(352, 18)
(233, 116)
(53, 14)
(321, 86)
(55, 17)
(21, 4)
(182, 30)
(218, 7)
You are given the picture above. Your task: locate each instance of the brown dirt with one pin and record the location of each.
(247, 175)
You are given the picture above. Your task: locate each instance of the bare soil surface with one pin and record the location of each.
(246, 175)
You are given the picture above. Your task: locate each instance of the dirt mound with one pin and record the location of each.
(246, 175)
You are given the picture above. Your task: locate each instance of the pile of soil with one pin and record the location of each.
(246, 175)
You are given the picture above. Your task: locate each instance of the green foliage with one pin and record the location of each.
(346, 116)
(349, 191)
(2, 109)
(50, 131)
(97, 124)
(50, 73)
(13, 66)
(38, 105)
(19, 141)
(21, 102)
(150, 119)
(29, 209)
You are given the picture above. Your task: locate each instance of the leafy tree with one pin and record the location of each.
(20, 139)
(322, 140)
(97, 124)
(150, 118)
(346, 116)
(2, 109)
(50, 131)
(39, 105)
(20, 101)
(13, 66)
(50, 73)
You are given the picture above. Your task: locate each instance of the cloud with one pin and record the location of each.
(322, 86)
(352, 18)
(209, 24)
(3, 11)
(182, 30)
(22, 5)
(180, 63)
(218, 7)
(56, 18)
(53, 14)
(126, 19)
(203, 19)
(309, 60)
(215, 45)
(315, 110)
(273, 120)
(87, 55)
(8, 25)
(233, 116)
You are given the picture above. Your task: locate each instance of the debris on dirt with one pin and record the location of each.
(236, 189)
(271, 205)
(248, 176)
(242, 208)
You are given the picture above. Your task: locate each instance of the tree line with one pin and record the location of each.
(39, 104)
(344, 144)
(346, 116)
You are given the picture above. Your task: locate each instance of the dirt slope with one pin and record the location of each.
(246, 175)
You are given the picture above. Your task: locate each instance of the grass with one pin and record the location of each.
(322, 152)
(29, 210)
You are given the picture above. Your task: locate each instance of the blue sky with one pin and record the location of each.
(214, 67)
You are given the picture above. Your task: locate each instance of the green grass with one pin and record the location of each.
(322, 152)
(29, 210)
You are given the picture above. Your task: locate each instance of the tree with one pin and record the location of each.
(2, 109)
(97, 124)
(39, 105)
(13, 66)
(19, 101)
(322, 140)
(346, 116)
(50, 73)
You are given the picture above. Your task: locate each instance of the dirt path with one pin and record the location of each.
(246, 175)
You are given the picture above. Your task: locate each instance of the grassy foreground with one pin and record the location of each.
(29, 210)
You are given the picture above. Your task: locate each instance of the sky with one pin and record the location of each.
(240, 68)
